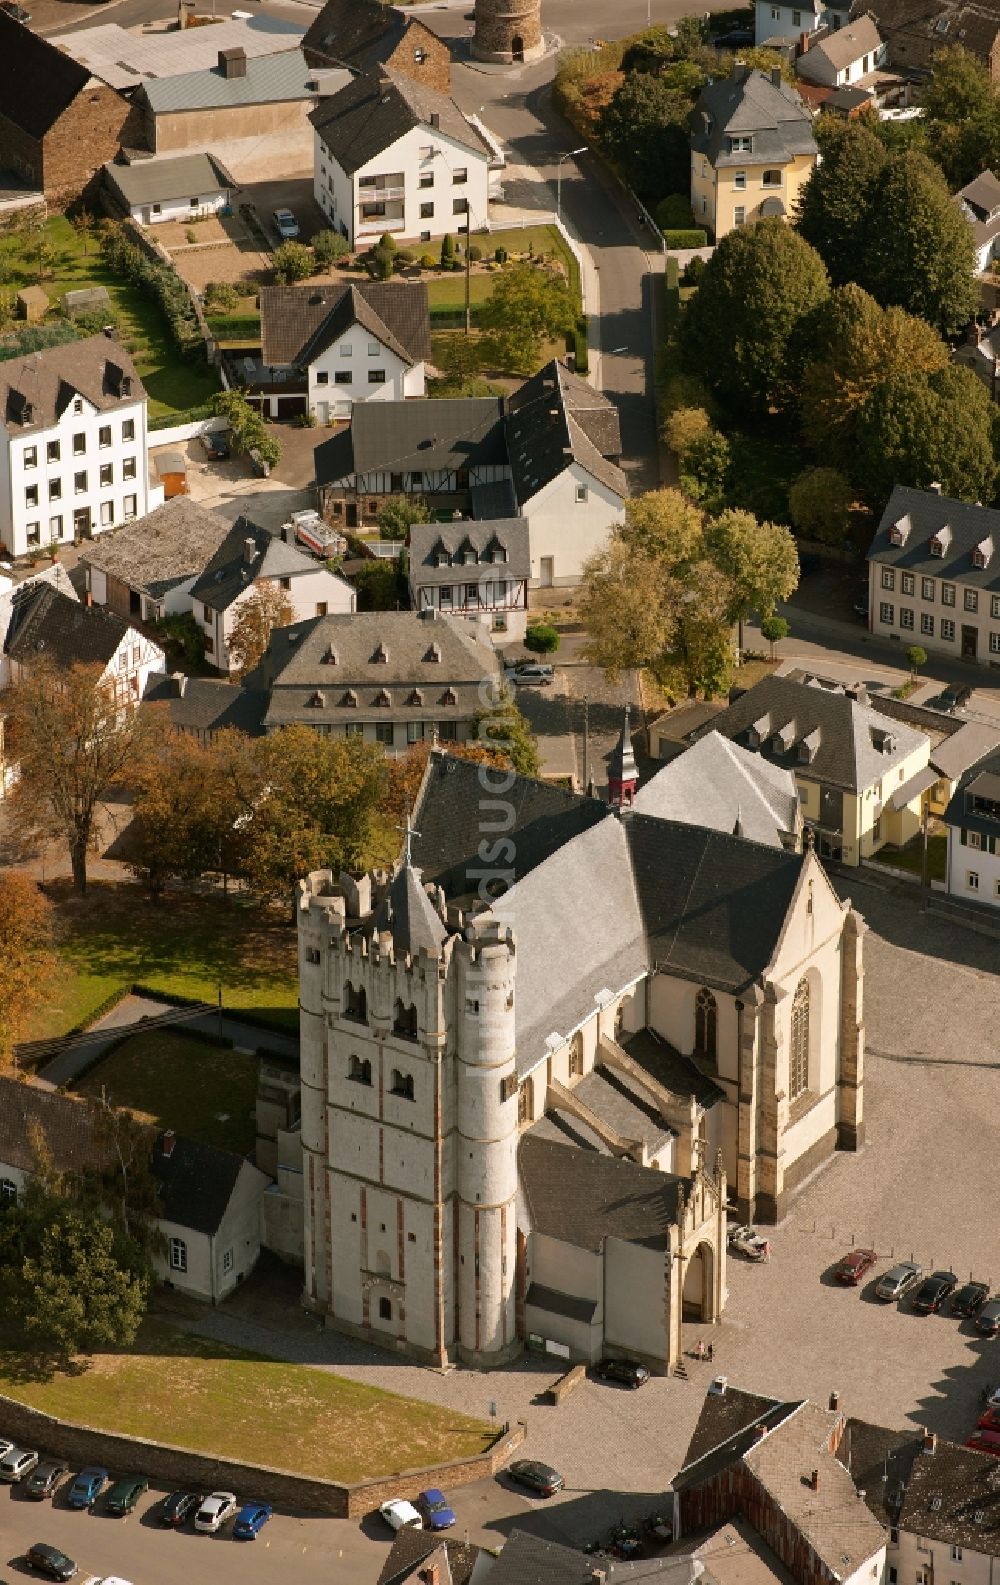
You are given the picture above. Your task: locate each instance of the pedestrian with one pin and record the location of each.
(699, 1349)
(711, 1353)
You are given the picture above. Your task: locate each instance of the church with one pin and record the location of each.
(542, 1061)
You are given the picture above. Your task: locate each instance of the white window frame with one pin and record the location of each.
(178, 1255)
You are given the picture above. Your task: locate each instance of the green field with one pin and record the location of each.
(187, 946)
(203, 1395)
(76, 262)
(174, 1080)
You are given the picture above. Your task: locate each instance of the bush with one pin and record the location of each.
(293, 261)
(158, 282)
(387, 242)
(694, 269)
(182, 636)
(447, 251)
(694, 238)
(475, 252)
(501, 255)
(380, 262)
(541, 639)
(221, 297)
(428, 261)
(674, 213)
(404, 256)
(328, 247)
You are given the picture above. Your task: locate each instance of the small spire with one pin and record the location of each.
(409, 832)
(623, 774)
(738, 827)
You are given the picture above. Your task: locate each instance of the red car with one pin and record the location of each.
(855, 1266)
(990, 1421)
(985, 1442)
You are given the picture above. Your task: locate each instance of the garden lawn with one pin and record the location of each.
(910, 858)
(174, 1080)
(448, 291)
(200, 1394)
(172, 384)
(187, 946)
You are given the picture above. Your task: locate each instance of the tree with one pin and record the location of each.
(644, 129)
(266, 607)
(663, 524)
(328, 247)
(924, 431)
(398, 515)
(292, 261)
(502, 729)
(381, 262)
(705, 468)
(73, 739)
(628, 608)
(83, 224)
(378, 585)
(759, 283)
(916, 657)
(447, 251)
(774, 629)
(820, 501)
(759, 559)
(919, 252)
(541, 638)
(26, 958)
(836, 201)
(684, 426)
(247, 429)
(961, 115)
(186, 811)
(701, 657)
(78, 1291)
(529, 304)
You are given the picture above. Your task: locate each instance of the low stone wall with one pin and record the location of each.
(566, 1384)
(178, 1467)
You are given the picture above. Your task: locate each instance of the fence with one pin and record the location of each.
(167, 432)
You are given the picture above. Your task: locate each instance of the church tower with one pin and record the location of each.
(623, 776)
(508, 31)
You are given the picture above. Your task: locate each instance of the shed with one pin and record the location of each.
(32, 304)
(171, 470)
(88, 300)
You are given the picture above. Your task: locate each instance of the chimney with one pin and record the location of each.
(803, 43)
(598, 1576)
(249, 550)
(168, 1142)
(935, 488)
(930, 1441)
(776, 76)
(233, 62)
(431, 1575)
(814, 1480)
(741, 71)
(180, 683)
(834, 1402)
(435, 119)
(88, 599)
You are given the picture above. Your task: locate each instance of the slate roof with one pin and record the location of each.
(751, 105)
(407, 911)
(979, 201)
(843, 46)
(270, 79)
(300, 322)
(723, 1419)
(982, 780)
(923, 514)
(720, 784)
(197, 1182)
(913, 31)
(374, 112)
(156, 181)
(22, 594)
(208, 705)
(840, 736)
(427, 538)
(556, 1303)
(550, 423)
(362, 34)
(39, 81)
(960, 750)
(879, 1461)
(54, 626)
(229, 572)
(946, 1491)
(159, 551)
(415, 437)
(582, 1199)
(43, 383)
(671, 1068)
(413, 1547)
(621, 1105)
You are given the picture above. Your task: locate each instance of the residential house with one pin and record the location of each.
(365, 35)
(861, 777)
(209, 1198)
(973, 821)
(397, 156)
(392, 677)
(148, 569)
(934, 570)
(418, 1557)
(914, 31)
(776, 19)
(57, 124)
(247, 558)
(719, 784)
(51, 626)
(125, 60)
(73, 444)
(186, 188)
(473, 569)
(979, 201)
(549, 453)
(849, 57)
(14, 595)
(946, 1524)
(206, 706)
(323, 348)
(752, 150)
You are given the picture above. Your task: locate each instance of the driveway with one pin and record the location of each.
(293, 191)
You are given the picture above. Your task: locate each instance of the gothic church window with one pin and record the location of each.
(798, 1050)
(706, 1024)
(576, 1056)
(360, 1072)
(355, 1003)
(405, 1021)
(402, 1085)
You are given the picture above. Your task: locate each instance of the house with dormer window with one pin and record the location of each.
(476, 569)
(752, 150)
(934, 575)
(979, 201)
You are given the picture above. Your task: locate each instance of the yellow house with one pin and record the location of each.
(752, 150)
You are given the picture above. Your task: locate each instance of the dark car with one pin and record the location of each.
(49, 1560)
(854, 1266)
(216, 447)
(970, 1298)
(435, 1510)
(87, 1487)
(988, 1319)
(627, 1371)
(42, 1482)
(955, 697)
(863, 602)
(177, 1508)
(933, 1291)
(537, 1477)
(124, 1495)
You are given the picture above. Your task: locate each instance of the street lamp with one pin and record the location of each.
(569, 155)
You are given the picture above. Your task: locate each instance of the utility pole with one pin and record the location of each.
(569, 155)
(586, 743)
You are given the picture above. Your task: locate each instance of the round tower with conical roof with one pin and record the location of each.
(508, 31)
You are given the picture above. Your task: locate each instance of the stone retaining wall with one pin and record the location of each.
(177, 1467)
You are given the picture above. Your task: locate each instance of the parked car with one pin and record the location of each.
(537, 1477)
(970, 1298)
(216, 1508)
(627, 1371)
(855, 1265)
(955, 697)
(401, 1515)
(990, 1421)
(432, 1505)
(87, 1487)
(215, 446)
(933, 1291)
(251, 1519)
(43, 1480)
(988, 1319)
(45, 1559)
(531, 673)
(12, 9)
(985, 1442)
(20, 1461)
(749, 1243)
(862, 604)
(285, 224)
(5, 1447)
(899, 1279)
(176, 1509)
(124, 1495)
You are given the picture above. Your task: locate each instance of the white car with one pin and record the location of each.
(524, 676)
(5, 1447)
(105, 1579)
(401, 1515)
(217, 1507)
(20, 1461)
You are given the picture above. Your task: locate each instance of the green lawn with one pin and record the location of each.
(448, 291)
(202, 1395)
(910, 858)
(174, 1080)
(172, 384)
(186, 945)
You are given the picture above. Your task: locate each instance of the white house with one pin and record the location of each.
(250, 556)
(58, 627)
(186, 188)
(398, 156)
(776, 19)
(323, 348)
(473, 569)
(844, 57)
(73, 444)
(973, 821)
(148, 569)
(979, 202)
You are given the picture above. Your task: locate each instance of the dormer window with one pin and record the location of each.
(757, 732)
(742, 145)
(329, 657)
(449, 696)
(809, 746)
(899, 533)
(381, 656)
(317, 701)
(983, 552)
(783, 739)
(382, 699)
(433, 654)
(940, 541)
(415, 697)
(350, 699)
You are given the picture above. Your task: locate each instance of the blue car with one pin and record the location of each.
(432, 1505)
(87, 1487)
(251, 1519)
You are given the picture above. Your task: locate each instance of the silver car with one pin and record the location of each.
(898, 1280)
(20, 1461)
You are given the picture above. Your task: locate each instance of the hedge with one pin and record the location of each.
(190, 415)
(581, 353)
(234, 327)
(160, 283)
(686, 239)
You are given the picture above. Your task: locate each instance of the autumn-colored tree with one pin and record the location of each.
(266, 607)
(628, 607)
(405, 774)
(186, 812)
(26, 959)
(759, 559)
(500, 727)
